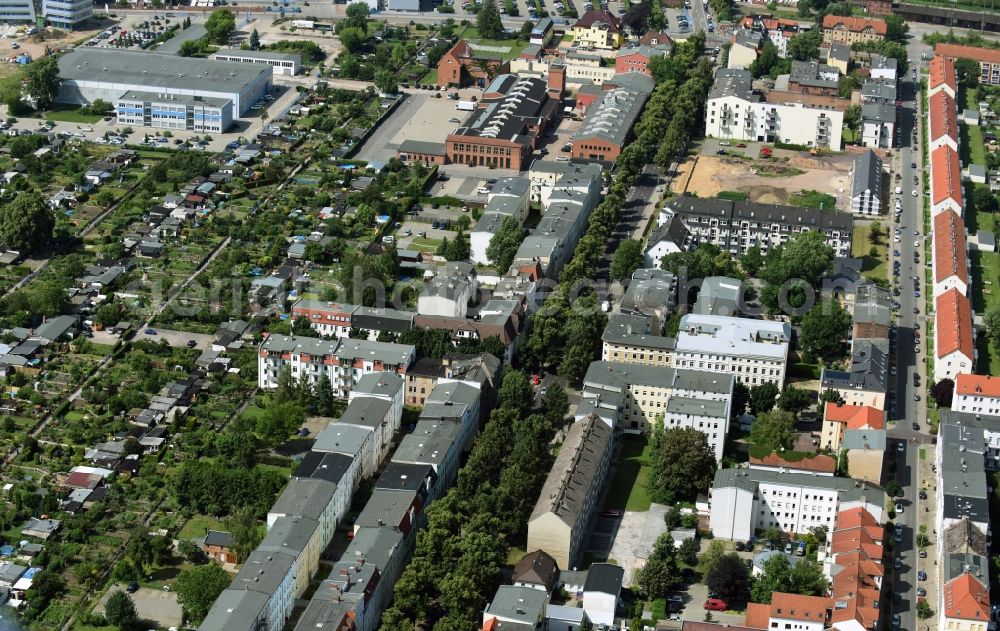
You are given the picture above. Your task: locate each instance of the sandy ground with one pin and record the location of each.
(713, 174)
(35, 45)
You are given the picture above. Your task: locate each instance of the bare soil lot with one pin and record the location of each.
(766, 181)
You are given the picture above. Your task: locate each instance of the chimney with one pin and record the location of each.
(556, 81)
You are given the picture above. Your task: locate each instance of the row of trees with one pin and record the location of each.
(458, 560)
(565, 337)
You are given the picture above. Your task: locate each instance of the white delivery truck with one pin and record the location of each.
(466, 106)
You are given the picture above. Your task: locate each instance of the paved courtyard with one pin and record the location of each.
(153, 605)
(635, 538)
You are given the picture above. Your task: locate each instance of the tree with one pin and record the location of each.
(992, 319)
(844, 464)
(794, 399)
(824, 329)
(352, 39)
(830, 396)
(323, 397)
(805, 45)
(762, 398)
(278, 421)
(198, 588)
(26, 223)
(896, 29)
(893, 488)
(41, 78)
(967, 71)
(659, 576)
(752, 261)
(556, 404)
(189, 48)
(220, 26)
(357, 16)
(730, 579)
(385, 81)
(924, 610)
(683, 465)
(586, 624)
(942, 392)
(526, 28)
(120, 611)
(773, 430)
(515, 392)
(688, 551)
(741, 398)
(627, 258)
(504, 244)
(983, 200)
(254, 40)
(244, 532)
(488, 21)
(766, 60)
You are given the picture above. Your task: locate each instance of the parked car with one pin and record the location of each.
(716, 604)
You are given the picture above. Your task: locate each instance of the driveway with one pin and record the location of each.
(635, 538)
(152, 605)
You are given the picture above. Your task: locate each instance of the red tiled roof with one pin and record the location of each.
(957, 51)
(758, 616)
(947, 173)
(856, 416)
(819, 463)
(950, 256)
(854, 24)
(953, 324)
(856, 550)
(944, 116)
(981, 385)
(798, 607)
(942, 72)
(594, 16)
(966, 598)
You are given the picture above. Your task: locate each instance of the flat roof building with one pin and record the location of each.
(281, 63)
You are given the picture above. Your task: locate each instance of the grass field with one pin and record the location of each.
(70, 114)
(514, 46)
(198, 525)
(871, 266)
(423, 244)
(628, 488)
(814, 199)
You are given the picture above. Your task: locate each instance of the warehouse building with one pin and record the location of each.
(89, 74)
(281, 63)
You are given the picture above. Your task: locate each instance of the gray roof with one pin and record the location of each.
(673, 231)
(840, 52)
(880, 112)
(869, 371)
(962, 440)
(521, 604)
(263, 572)
(218, 538)
(376, 545)
(867, 175)
(261, 54)
(616, 110)
(690, 208)
(883, 62)
(341, 439)
(697, 407)
(651, 290)
(385, 508)
(178, 99)
(719, 295)
(323, 613)
(490, 222)
(10, 572)
(604, 578)
(957, 564)
(403, 476)
(421, 146)
(320, 466)
(733, 82)
(509, 116)
(123, 66)
(882, 91)
(289, 534)
(53, 328)
(429, 443)
(811, 73)
(378, 319)
(573, 476)
(510, 186)
(382, 383)
(748, 479)
(986, 238)
(304, 497)
(602, 375)
(366, 412)
(236, 610)
(872, 439)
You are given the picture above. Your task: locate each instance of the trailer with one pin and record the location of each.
(466, 106)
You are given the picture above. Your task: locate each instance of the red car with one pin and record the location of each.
(716, 604)
(535, 380)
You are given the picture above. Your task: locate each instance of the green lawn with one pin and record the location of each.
(423, 244)
(814, 199)
(430, 77)
(628, 487)
(871, 266)
(198, 525)
(70, 114)
(514, 46)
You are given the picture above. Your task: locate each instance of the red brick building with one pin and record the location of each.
(462, 66)
(637, 59)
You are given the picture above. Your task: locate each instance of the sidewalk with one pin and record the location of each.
(926, 480)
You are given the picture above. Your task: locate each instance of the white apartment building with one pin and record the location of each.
(633, 397)
(736, 112)
(543, 175)
(344, 362)
(746, 501)
(752, 351)
(976, 394)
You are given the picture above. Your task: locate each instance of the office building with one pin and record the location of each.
(282, 63)
(174, 111)
(67, 14)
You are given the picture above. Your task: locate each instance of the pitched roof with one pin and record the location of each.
(957, 51)
(947, 174)
(953, 325)
(967, 599)
(818, 463)
(942, 72)
(856, 416)
(944, 116)
(950, 256)
(595, 16)
(536, 567)
(977, 385)
(798, 607)
(854, 24)
(758, 616)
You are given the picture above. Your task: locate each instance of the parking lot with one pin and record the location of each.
(153, 605)
(634, 539)
(176, 338)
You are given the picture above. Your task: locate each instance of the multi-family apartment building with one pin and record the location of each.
(344, 361)
(950, 260)
(865, 382)
(337, 319)
(988, 59)
(735, 111)
(839, 418)
(747, 501)
(598, 28)
(735, 227)
(942, 121)
(866, 185)
(791, 611)
(942, 76)
(976, 394)
(853, 561)
(954, 336)
(752, 351)
(850, 30)
(631, 398)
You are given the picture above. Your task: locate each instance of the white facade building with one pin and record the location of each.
(171, 111)
(976, 394)
(282, 63)
(752, 351)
